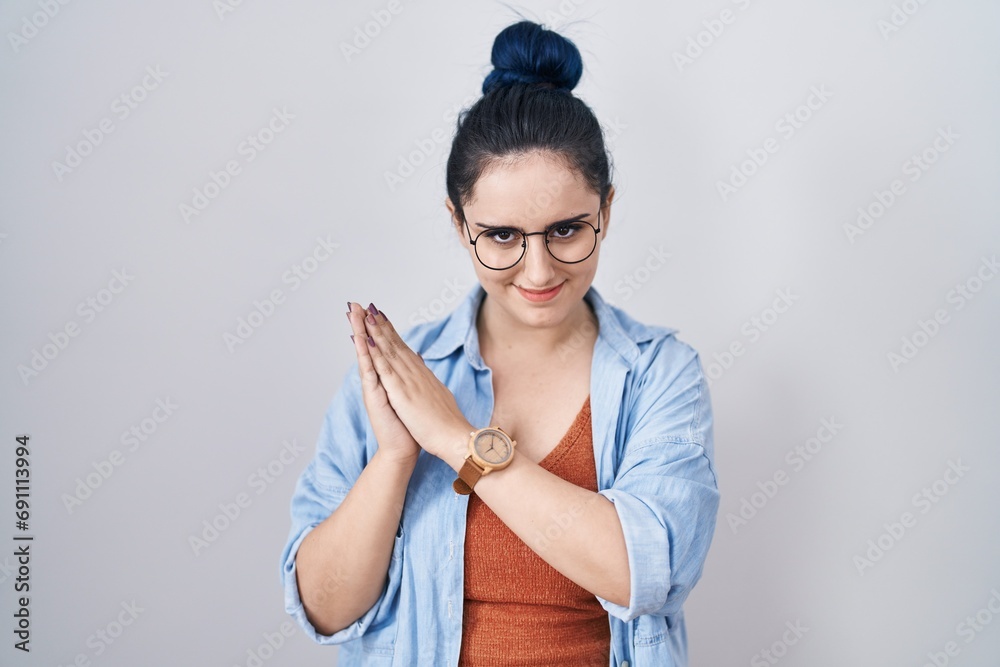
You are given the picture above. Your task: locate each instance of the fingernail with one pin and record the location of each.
(371, 341)
(348, 317)
(372, 309)
(348, 306)
(352, 338)
(383, 315)
(370, 319)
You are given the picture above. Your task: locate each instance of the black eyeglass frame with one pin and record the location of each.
(524, 240)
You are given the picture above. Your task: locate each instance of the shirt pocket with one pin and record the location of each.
(651, 629)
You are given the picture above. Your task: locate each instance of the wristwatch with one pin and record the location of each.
(489, 449)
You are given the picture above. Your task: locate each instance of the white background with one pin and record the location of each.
(676, 131)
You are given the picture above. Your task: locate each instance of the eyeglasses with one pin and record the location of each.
(501, 248)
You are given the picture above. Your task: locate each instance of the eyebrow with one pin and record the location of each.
(575, 218)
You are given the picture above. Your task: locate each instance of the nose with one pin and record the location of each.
(538, 264)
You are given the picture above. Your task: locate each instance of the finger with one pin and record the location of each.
(366, 367)
(388, 341)
(377, 351)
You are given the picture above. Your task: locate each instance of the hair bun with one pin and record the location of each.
(528, 53)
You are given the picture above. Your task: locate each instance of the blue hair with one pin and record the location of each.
(528, 53)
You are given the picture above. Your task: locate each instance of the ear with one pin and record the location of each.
(456, 220)
(606, 213)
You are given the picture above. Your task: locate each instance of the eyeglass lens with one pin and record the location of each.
(569, 242)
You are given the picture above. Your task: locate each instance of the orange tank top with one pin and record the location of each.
(531, 614)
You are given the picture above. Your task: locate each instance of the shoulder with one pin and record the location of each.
(666, 397)
(657, 347)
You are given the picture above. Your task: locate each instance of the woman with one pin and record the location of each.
(530, 480)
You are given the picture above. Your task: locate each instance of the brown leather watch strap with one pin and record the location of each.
(467, 477)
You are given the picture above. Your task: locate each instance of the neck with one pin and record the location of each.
(499, 333)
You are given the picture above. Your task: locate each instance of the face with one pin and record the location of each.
(531, 194)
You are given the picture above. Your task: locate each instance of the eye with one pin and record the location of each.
(502, 236)
(567, 231)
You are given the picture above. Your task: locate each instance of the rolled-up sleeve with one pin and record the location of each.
(665, 490)
(338, 461)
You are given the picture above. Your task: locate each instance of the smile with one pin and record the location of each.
(540, 296)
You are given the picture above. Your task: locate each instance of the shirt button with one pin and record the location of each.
(625, 663)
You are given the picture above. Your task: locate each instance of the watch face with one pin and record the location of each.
(492, 446)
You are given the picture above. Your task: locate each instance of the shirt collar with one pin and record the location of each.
(616, 328)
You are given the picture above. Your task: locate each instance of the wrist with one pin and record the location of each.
(455, 445)
(402, 463)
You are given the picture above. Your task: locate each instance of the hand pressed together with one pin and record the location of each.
(407, 404)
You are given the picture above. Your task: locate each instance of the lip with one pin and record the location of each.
(540, 296)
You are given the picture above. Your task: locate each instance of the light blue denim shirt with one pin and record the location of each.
(653, 450)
